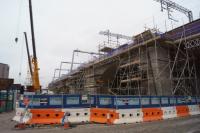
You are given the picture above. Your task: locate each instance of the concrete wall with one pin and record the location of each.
(161, 71)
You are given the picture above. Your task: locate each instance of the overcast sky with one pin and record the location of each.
(64, 25)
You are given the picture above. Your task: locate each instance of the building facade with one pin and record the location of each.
(4, 71)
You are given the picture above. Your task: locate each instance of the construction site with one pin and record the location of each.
(129, 84)
(150, 63)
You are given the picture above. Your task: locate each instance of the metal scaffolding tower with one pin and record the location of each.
(64, 62)
(118, 36)
(84, 52)
(115, 35)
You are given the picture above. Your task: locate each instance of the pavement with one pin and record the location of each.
(189, 124)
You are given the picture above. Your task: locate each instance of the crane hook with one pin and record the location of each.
(16, 39)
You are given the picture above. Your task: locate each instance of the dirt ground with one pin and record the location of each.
(178, 125)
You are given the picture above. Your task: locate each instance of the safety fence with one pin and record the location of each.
(106, 101)
(55, 109)
(6, 101)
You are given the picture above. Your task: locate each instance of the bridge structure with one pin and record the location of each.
(152, 63)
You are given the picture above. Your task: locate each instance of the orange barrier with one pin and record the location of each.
(152, 114)
(46, 116)
(102, 115)
(182, 111)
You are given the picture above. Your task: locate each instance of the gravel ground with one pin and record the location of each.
(178, 125)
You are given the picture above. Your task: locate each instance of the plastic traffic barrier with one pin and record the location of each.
(169, 112)
(107, 109)
(152, 114)
(129, 116)
(81, 115)
(194, 109)
(182, 111)
(19, 113)
(46, 116)
(103, 115)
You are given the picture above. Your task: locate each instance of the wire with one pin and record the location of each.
(21, 61)
(16, 39)
(19, 18)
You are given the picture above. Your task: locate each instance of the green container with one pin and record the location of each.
(2, 106)
(3, 96)
(9, 106)
(6, 102)
(6, 96)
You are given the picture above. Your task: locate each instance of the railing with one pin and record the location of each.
(187, 30)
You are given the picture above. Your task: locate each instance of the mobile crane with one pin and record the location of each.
(33, 63)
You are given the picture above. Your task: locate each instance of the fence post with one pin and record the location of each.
(6, 102)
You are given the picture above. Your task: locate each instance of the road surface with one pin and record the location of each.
(178, 125)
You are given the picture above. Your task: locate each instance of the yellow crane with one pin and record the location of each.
(33, 63)
(33, 69)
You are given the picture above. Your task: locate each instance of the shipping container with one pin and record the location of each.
(6, 101)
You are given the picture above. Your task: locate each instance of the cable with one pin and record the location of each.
(21, 61)
(18, 19)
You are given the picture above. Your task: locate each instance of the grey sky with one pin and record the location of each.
(64, 25)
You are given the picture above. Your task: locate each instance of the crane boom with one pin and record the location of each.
(36, 82)
(32, 29)
(29, 57)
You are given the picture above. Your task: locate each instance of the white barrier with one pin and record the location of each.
(78, 115)
(194, 109)
(129, 116)
(21, 115)
(169, 112)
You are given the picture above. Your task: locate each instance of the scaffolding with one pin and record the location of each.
(155, 67)
(155, 63)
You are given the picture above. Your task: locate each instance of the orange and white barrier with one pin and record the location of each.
(51, 116)
(122, 116)
(103, 115)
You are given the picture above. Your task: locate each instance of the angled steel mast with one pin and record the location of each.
(168, 5)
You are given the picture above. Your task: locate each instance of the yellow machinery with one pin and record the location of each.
(33, 63)
(35, 76)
